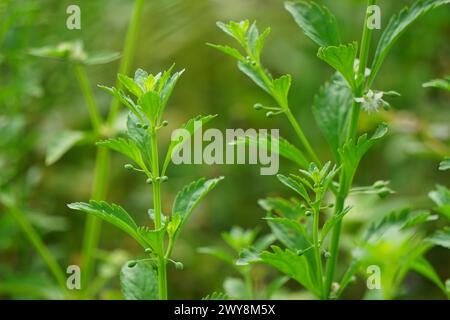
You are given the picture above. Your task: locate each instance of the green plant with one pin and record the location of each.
(147, 278)
(73, 52)
(337, 109)
(245, 249)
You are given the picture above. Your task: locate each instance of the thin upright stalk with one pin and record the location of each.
(344, 186)
(128, 54)
(39, 245)
(317, 250)
(162, 271)
(96, 119)
(99, 189)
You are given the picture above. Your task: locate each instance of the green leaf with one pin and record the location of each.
(445, 165)
(217, 253)
(396, 221)
(294, 185)
(438, 83)
(281, 88)
(441, 238)
(293, 265)
(130, 85)
(111, 213)
(189, 197)
(237, 30)
(61, 144)
(253, 72)
(331, 222)
(441, 196)
(351, 154)
(123, 98)
(235, 288)
(127, 147)
(285, 148)
(167, 89)
(318, 23)
(228, 50)
(289, 232)
(397, 26)
(342, 59)
(260, 44)
(141, 77)
(140, 137)
(97, 58)
(331, 110)
(139, 281)
(422, 266)
(281, 207)
(153, 239)
(190, 127)
(150, 103)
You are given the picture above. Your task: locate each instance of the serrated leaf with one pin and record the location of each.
(331, 110)
(153, 238)
(318, 23)
(254, 74)
(281, 88)
(351, 154)
(189, 197)
(123, 98)
(190, 127)
(289, 232)
(331, 222)
(294, 185)
(397, 26)
(293, 265)
(61, 144)
(140, 137)
(150, 104)
(111, 213)
(285, 148)
(228, 50)
(139, 281)
(342, 59)
(127, 147)
(282, 207)
(167, 89)
(237, 30)
(396, 221)
(130, 85)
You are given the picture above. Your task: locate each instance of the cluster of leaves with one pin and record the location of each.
(297, 225)
(139, 278)
(245, 249)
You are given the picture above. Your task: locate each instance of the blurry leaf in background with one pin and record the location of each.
(441, 196)
(438, 83)
(61, 144)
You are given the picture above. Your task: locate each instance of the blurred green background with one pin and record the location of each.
(40, 98)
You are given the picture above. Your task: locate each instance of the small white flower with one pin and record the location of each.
(371, 101)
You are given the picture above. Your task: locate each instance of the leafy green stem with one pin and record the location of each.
(128, 54)
(162, 262)
(344, 186)
(316, 213)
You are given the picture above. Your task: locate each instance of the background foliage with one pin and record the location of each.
(40, 98)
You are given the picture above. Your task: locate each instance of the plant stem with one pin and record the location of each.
(39, 245)
(85, 86)
(99, 190)
(249, 284)
(344, 186)
(128, 54)
(302, 137)
(93, 224)
(162, 272)
(317, 249)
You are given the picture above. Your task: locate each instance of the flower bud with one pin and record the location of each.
(164, 178)
(132, 264)
(258, 106)
(149, 181)
(129, 166)
(165, 123)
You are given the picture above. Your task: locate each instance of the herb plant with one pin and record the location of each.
(147, 278)
(311, 256)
